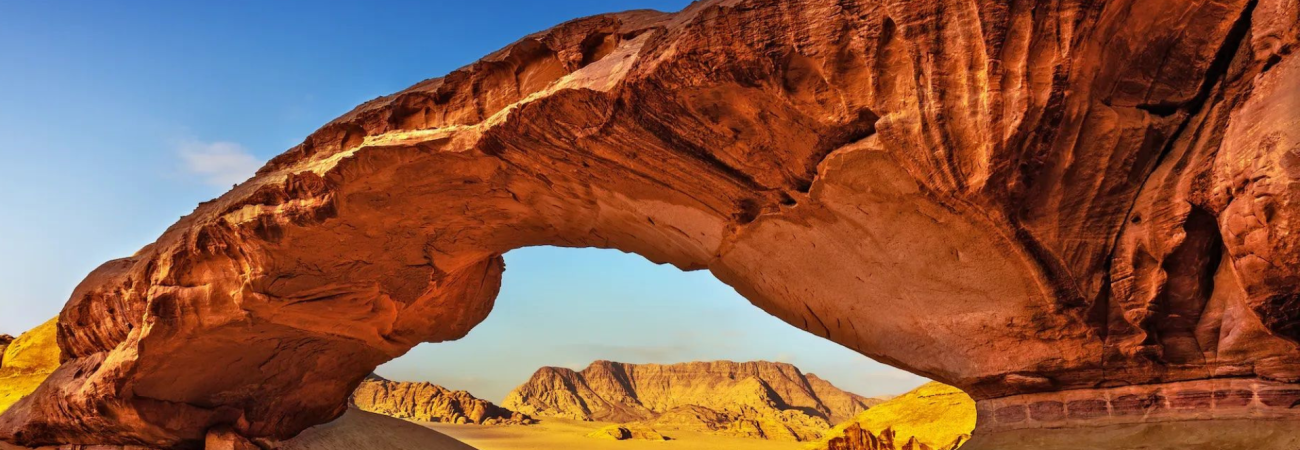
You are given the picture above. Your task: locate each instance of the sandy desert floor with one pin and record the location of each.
(571, 434)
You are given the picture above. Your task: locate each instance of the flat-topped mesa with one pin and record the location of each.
(1017, 199)
(757, 399)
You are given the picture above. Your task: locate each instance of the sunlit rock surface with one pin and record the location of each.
(626, 432)
(27, 361)
(760, 399)
(427, 402)
(934, 417)
(1087, 204)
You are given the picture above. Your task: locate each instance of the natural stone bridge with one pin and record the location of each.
(1083, 213)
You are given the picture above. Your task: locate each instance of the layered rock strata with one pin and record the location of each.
(1012, 197)
(427, 402)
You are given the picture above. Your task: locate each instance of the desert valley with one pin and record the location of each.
(609, 405)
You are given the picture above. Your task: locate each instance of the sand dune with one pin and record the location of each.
(362, 430)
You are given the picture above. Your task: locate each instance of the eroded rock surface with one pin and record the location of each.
(5, 340)
(427, 402)
(628, 432)
(1012, 197)
(932, 417)
(761, 399)
(27, 361)
(854, 437)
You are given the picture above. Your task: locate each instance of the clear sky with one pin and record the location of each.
(117, 118)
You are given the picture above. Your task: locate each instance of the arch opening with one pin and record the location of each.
(567, 321)
(569, 307)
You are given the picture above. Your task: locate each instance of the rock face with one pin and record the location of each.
(932, 417)
(27, 361)
(427, 402)
(1086, 203)
(628, 432)
(754, 399)
(854, 437)
(5, 340)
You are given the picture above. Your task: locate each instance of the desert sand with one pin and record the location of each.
(572, 435)
(360, 429)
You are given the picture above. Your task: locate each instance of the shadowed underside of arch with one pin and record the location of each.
(1059, 207)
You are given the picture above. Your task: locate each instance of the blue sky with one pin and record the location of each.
(117, 118)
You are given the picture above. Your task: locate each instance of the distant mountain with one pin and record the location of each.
(430, 403)
(752, 399)
(932, 417)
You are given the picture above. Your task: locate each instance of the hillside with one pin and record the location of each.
(27, 361)
(754, 399)
(935, 415)
(427, 402)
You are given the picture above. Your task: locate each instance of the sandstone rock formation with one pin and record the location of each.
(932, 417)
(5, 340)
(27, 361)
(854, 437)
(754, 399)
(626, 432)
(1079, 212)
(427, 402)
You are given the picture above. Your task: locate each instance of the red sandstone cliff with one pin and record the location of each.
(428, 402)
(753, 399)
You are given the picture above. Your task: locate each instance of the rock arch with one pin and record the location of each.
(1078, 212)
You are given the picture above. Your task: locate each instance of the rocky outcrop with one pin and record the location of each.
(427, 402)
(27, 361)
(854, 437)
(932, 417)
(628, 432)
(754, 399)
(5, 340)
(1032, 200)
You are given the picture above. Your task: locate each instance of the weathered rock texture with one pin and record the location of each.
(27, 361)
(932, 417)
(1013, 197)
(428, 402)
(854, 437)
(628, 432)
(5, 340)
(754, 399)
